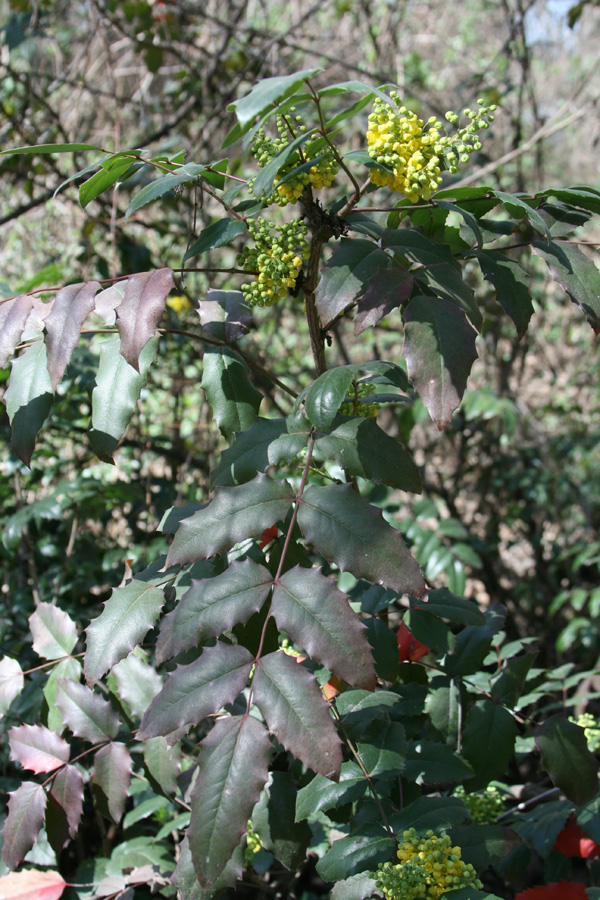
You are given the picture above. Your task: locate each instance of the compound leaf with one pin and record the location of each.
(295, 712)
(235, 513)
(319, 619)
(232, 771)
(197, 690)
(347, 530)
(213, 605)
(439, 347)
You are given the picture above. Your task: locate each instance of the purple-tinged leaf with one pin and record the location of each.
(65, 806)
(347, 530)
(363, 449)
(140, 311)
(319, 619)
(115, 396)
(111, 779)
(128, 615)
(388, 289)
(567, 759)
(233, 398)
(13, 315)
(70, 307)
(11, 682)
(138, 683)
(28, 399)
(439, 347)
(32, 884)
(296, 713)
(37, 748)
(54, 632)
(346, 276)
(235, 513)
(577, 275)
(512, 287)
(162, 764)
(26, 807)
(86, 714)
(225, 314)
(186, 881)
(70, 669)
(106, 302)
(232, 770)
(212, 606)
(197, 690)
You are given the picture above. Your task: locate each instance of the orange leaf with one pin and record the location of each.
(573, 842)
(32, 884)
(561, 890)
(408, 646)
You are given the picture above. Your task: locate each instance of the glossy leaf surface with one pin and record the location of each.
(37, 748)
(26, 808)
(567, 759)
(232, 396)
(87, 714)
(54, 632)
(112, 776)
(140, 311)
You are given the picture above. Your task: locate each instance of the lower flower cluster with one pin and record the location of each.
(428, 867)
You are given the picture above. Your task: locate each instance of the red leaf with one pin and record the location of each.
(26, 807)
(37, 748)
(561, 890)
(573, 842)
(140, 311)
(268, 535)
(32, 885)
(408, 646)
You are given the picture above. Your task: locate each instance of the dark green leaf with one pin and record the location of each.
(577, 275)
(471, 225)
(162, 764)
(198, 690)
(484, 845)
(28, 399)
(508, 685)
(437, 813)
(388, 289)
(235, 513)
(87, 714)
(296, 713)
(26, 808)
(444, 603)
(542, 825)
(232, 396)
(470, 894)
(439, 347)
(359, 852)
(273, 818)
(268, 442)
(567, 759)
(517, 207)
(325, 395)
(53, 148)
(488, 741)
(232, 770)
(213, 605)
(385, 649)
(444, 707)
(319, 619)
(583, 197)
(347, 530)
(159, 187)
(588, 817)
(346, 276)
(267, 93)
(128, 615)
(217, 234)
(428, 762)
(115, 396)
(430, 630)
(186, 881)
(111, 778)
(140, 311)
(110, 172)
(322, 793)
(513, 291)
(382, 749)
(473, 643)
(440, 272)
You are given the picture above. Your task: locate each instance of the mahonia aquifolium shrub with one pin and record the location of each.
(484, 807)
(417, 151)
(276, 257)
(321, 174)
(591, 730)
(356, 406)
(428, 866)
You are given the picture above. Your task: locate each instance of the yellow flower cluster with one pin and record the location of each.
(356, 405)
(276, 258)
(484, 807)
(179, 304)
(415, 151)
(591, 730)
(428, 867)
(318, 175)
(253, 844)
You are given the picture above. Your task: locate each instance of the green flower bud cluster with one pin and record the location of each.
(253, 844)
(276, 258)
(417, 151)
(484, 807)
(355, 405)
(428, 867)
(591, 729)
(319, 175)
